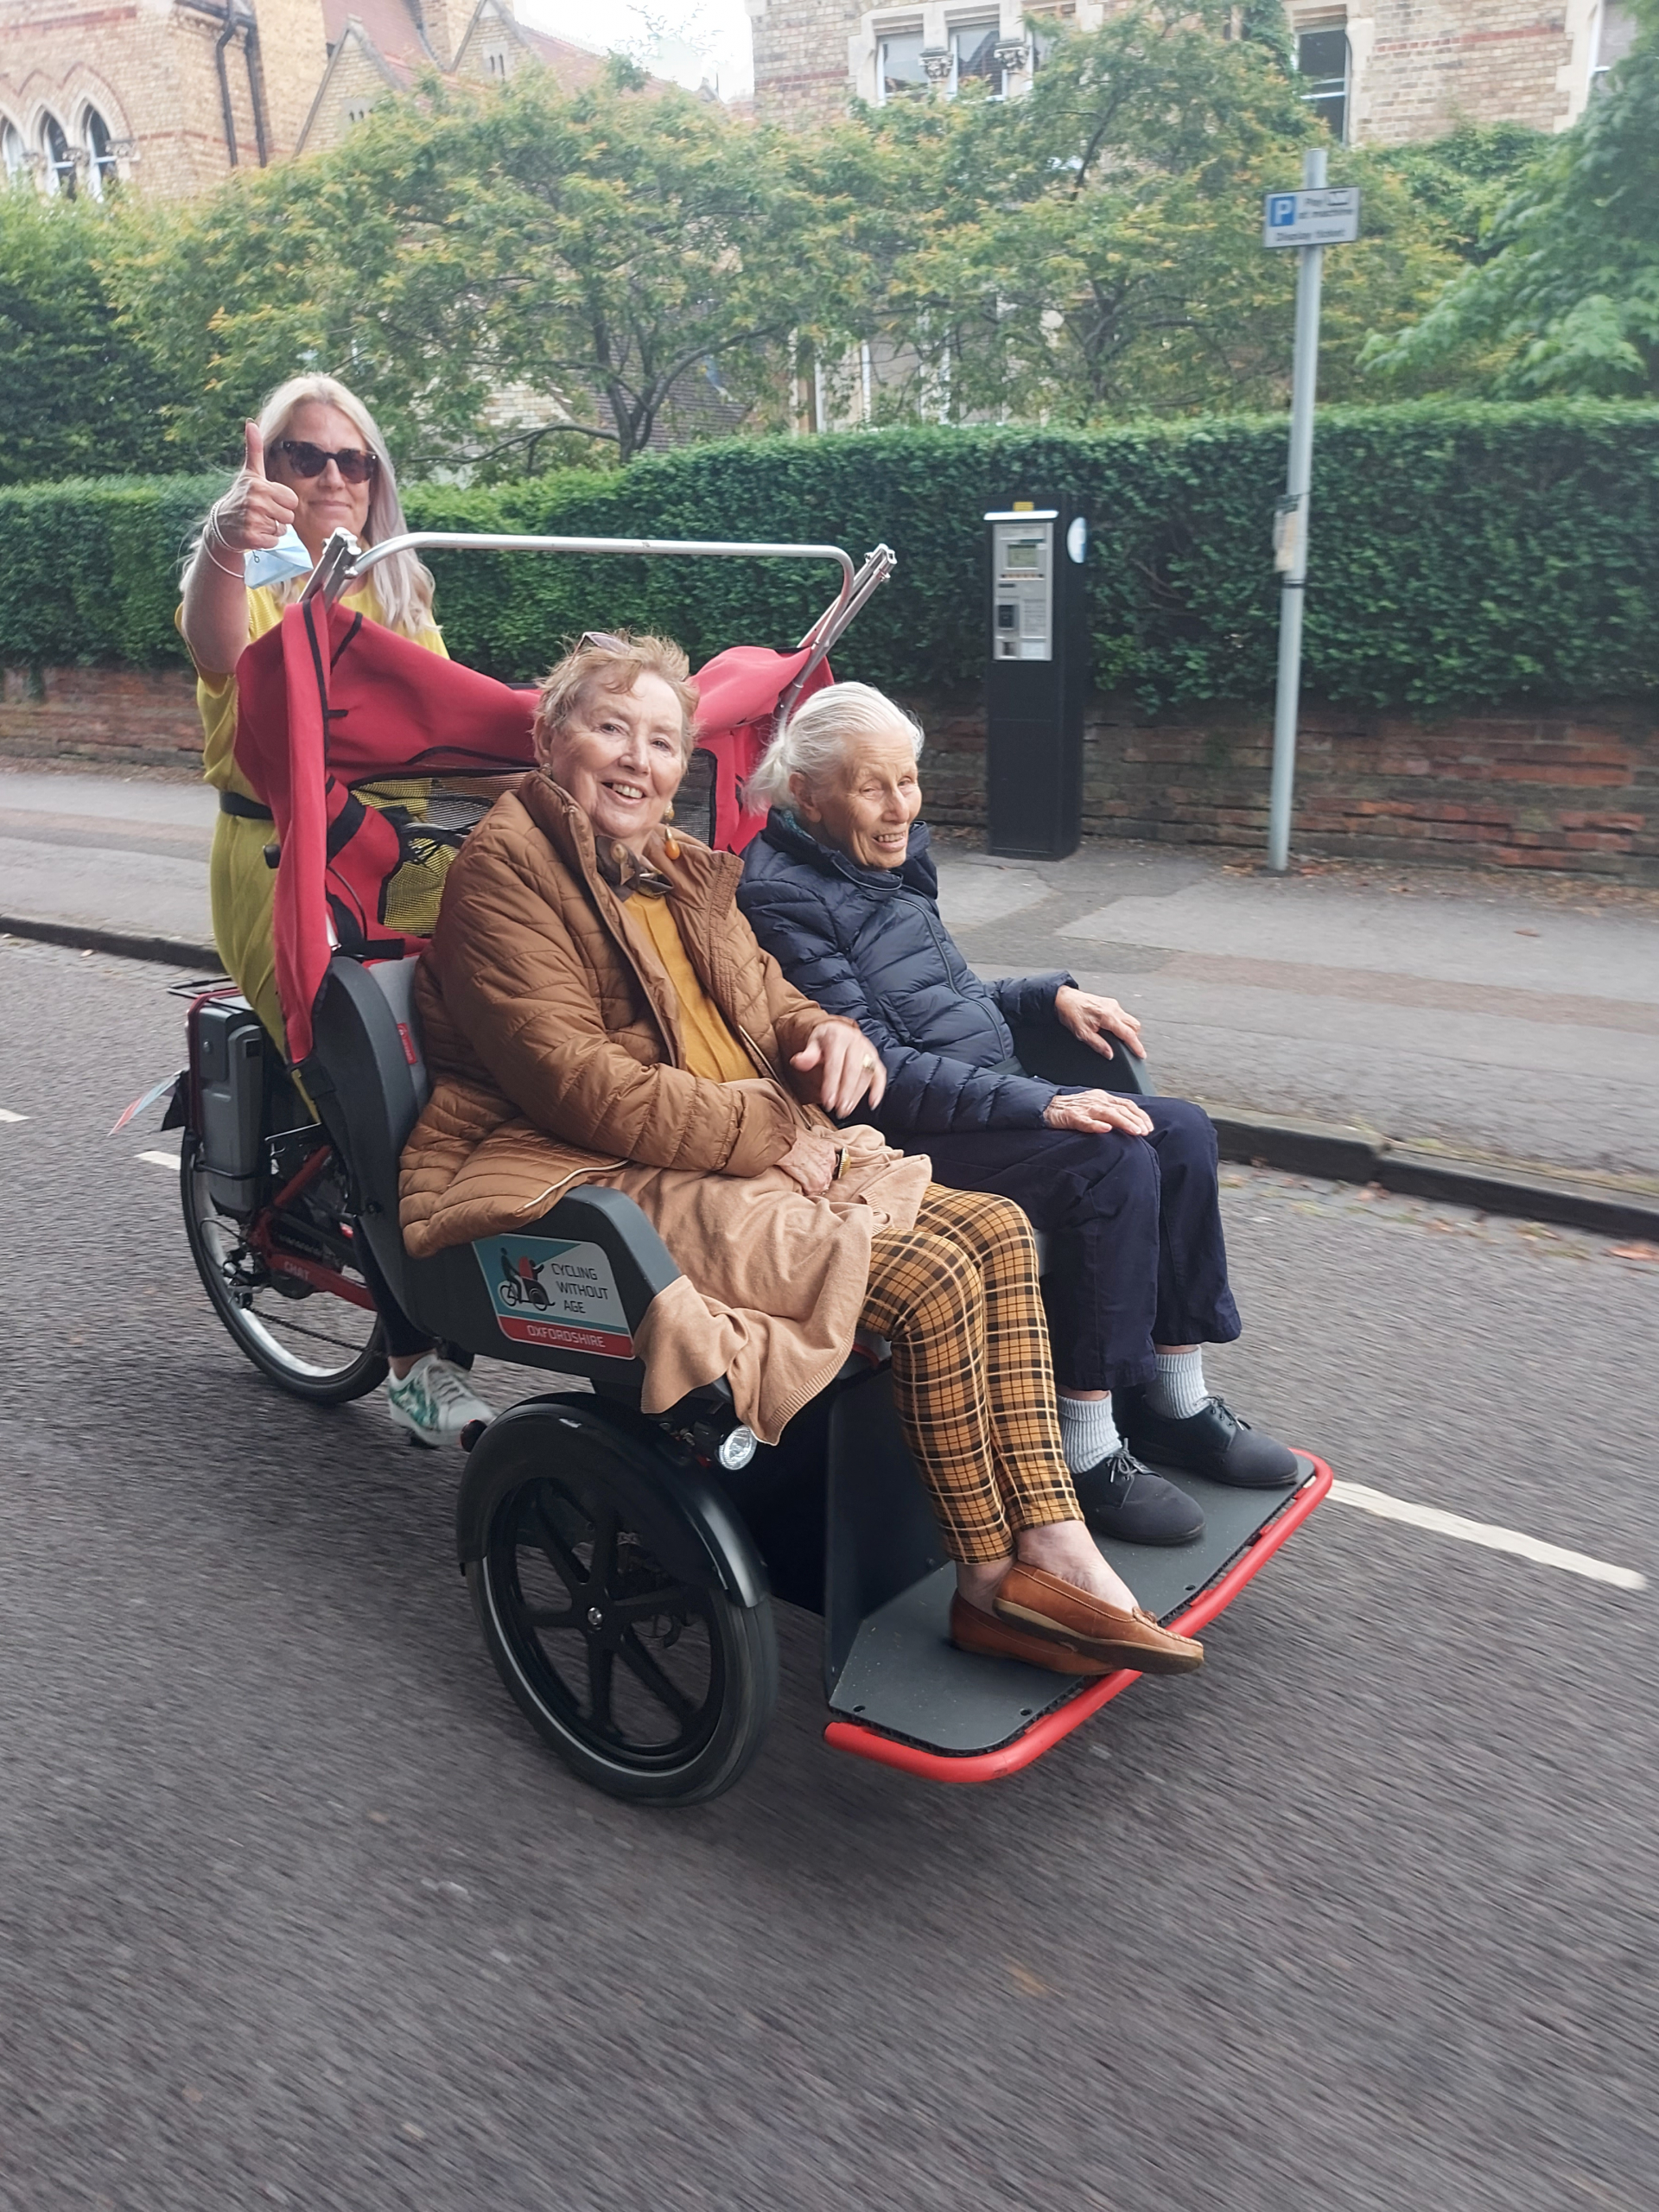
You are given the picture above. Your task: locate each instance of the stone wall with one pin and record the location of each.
(802, 73)
(1418, 66)
(1502, 789)
(293, 51)
(122, 716)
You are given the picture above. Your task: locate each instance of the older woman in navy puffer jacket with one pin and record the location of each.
(839, 889)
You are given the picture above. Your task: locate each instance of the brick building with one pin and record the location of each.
(1380, 70)
(171, 95)
(382, 45)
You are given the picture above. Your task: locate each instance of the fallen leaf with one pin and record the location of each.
(1635, 1251)
(1028, 1983)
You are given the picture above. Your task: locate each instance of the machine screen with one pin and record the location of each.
(1023, 553)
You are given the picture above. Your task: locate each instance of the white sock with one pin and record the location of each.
(1088, 1431)
(1178, 1392)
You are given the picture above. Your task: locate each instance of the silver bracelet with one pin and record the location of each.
(211, 528)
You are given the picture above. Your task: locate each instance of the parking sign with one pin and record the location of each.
(1312, 218)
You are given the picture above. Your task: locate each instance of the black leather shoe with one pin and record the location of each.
(1214, 1443)
(1122, 1498)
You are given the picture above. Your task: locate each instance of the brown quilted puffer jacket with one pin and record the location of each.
(554, 1043)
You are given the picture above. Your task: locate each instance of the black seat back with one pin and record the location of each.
(362, 1075)
(367, 1075)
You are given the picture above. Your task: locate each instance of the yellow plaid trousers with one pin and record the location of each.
(957, 1297)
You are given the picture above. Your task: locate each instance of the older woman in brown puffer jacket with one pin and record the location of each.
(596, 1010)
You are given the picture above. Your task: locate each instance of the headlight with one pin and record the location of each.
(737, 1447)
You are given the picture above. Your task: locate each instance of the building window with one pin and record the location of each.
(1322, 64)
(899, 66)
(357, 110)
(13, 153)
(60, 157)
(974, 57)
(495, 63)
(100, 155)
(1611, 37)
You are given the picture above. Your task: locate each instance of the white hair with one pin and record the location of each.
(813, 742)
(403, 584)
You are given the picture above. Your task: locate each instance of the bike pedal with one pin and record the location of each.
(471, 1434)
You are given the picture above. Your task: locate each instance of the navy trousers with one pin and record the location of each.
(1136, 1255)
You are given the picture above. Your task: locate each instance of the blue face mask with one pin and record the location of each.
(287, 557)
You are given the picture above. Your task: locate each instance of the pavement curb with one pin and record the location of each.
(1342, 1155)
(1336, 1154)
(126, 944)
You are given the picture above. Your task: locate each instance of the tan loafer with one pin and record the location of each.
(1032, 1600)
(972, 1631)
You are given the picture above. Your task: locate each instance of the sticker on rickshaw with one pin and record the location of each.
(545, 1291)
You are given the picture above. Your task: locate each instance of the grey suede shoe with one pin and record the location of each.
(1214, 1443)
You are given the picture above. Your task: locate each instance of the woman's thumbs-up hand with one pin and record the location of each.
(253, 514)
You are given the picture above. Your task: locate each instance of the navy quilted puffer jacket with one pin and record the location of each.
(868, 942)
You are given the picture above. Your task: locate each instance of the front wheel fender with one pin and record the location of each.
(638, 1457)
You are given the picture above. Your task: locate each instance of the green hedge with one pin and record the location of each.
(89, 570)
(1461, 554)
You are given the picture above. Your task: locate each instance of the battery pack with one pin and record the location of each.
(230, 1093)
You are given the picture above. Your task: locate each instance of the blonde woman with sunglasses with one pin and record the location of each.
(314, 462)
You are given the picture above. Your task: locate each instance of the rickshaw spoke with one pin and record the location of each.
(645, 1668)
(639, 1605)
(603, 1569)
(600, 1667)
(558, 1553)
(545, 1616)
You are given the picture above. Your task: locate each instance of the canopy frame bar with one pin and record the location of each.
(345, 565)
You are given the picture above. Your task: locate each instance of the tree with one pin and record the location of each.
(1094, 249)
(82, 397)
(596, 252)
(1463, 180)
(1568, 300)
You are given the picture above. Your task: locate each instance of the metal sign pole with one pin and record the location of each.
(1298, 477)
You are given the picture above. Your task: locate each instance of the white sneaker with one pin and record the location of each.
(434, 1401)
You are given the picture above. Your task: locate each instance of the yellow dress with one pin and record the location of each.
(240, 885)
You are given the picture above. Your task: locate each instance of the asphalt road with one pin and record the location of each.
(294, 1907)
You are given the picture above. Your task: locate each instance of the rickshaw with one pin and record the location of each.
(623, 1567)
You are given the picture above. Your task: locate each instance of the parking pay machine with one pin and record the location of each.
(1036, 681)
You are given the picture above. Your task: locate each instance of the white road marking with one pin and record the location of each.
(160, 1159)
(1487, 1534)
(6, 1116)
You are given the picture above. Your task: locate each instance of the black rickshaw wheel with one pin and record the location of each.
(648, 1680)
(318, 1347)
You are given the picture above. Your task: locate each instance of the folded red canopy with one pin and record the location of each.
(738, 696)
(328, 699)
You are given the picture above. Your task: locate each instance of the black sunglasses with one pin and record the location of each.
(306, 459)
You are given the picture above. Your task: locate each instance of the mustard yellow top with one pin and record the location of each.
(711, 1050)
(216, 701)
